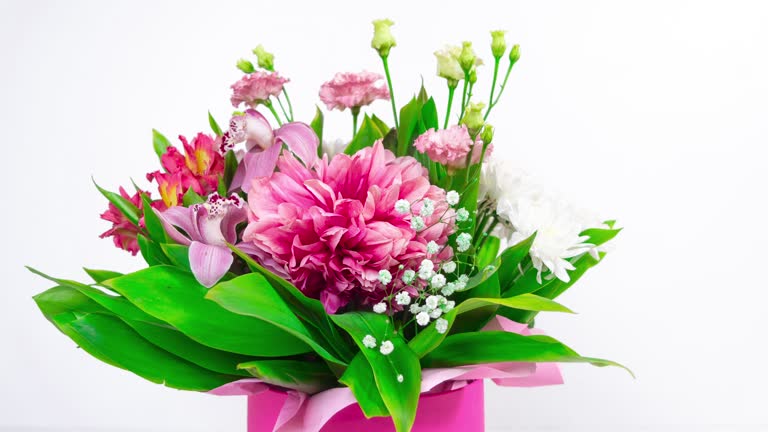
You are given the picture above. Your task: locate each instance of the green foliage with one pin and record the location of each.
(214, 126)
(305, 376)
(130, 211)
(317, 126)
(368, 134)
(410, 116)
(358, 377)
(160, 143)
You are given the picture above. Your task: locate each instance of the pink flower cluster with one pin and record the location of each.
(198, 169)
(256, 87)
(451, 146)
(330, 227)
(123, 232)
(353, 90)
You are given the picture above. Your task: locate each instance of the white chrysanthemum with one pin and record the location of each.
(462, 215)
(449, 267)
(369, 341)
(426, 269)
(387, 347)
(403, 298)
(432, 247)
(463, 242)
(437, 281)
(417, 223)
(422, 318)
(409, 276)
(441, 325)
(452, 198)
(427, 207)
(402, 206)
(380, 308)
(334, 147)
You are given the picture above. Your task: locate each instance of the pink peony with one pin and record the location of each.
(330, 227)
(451, 146)
(123, 232)
(256, 87)
(353, 90)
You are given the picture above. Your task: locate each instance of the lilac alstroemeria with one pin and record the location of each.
(206, 228)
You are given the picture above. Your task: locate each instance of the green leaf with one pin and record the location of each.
(100, 276)
(160, 143)
(488, 252)
(381, 125)
(366, 136)
(409, 119)
(510, 259)
(305, 376)
(130, 211)
(429, 338)
(599, 236)
(151, 252)
(358, 377)
(401, 398)
(214, 126)
(152, 221)
(317, 126)
(478, 318)
(174, 296)
(429, 114)
(230, 167)
(252, 295)
(177, 254)
(112, 341)
(191, 197)
(500, 346)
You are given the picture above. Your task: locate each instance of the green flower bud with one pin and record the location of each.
(514, 55)
(498, 44)
(266, 59)
(448, 65)
(245, 66)
(473, 118)
(487, 134)
(467, 57)
(473, 76)
(382, 40)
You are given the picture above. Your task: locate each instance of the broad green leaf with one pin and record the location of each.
(177, 254)
(305, 376)
(358, 377)
(390, 140)
(151, 252)
(174, 296)
(317, 126)
(429, 338)
(510, 260)
(476, 319)
(409, 119)
(422, 97)
(152, 221)
(500, 346)
(253, 295)
(191, 197)
(230, 167)
(112, 341)
(380, 125)
(366, 136)
(100, 276)
(130, 211)
(488, 252)
(429, 115)
(401, 398)
(160, 143)
(598, 236)
(214, 126)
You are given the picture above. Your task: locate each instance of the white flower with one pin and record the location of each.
(448, 66)
(426, 270)
(333, 147)
(462, 215)
(386, 347)
(417, 223)
(449, 305)
(415, 308)
(432, 247)
(385, 277)
(438, 281)
(400, 378)
(449, 267)
(369, 341)
(422, 318)
(448, 289)
(463, 242)
(452, 198)
(408, 276)
(461, 283)
(402, 206)
(441, 325)
(433, 301)
(380, 308)
(436, 313)
(403, 298)
(427, 207)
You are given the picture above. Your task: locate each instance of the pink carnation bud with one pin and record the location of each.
(353, 90)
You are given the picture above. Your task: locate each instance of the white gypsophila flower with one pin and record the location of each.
(380, 308)
(437, 281)
(408, 276)
(334, 147)
(427, 207)
(449, 305)
(415, 309)
(400, 378)
(463, 242)
(417, 223)
(422, 318)
(462, 215)
(435, 314)
(448, 267)
(369, 341)
(402, 206)
(432, 247)
(441, 325)
(426, 270)
(448, 289)
(385, 277)
(433, 301)
(452, 198)
(461, 282)
(403, 298)
(387, 347)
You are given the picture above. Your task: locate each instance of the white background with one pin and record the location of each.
(651, 112)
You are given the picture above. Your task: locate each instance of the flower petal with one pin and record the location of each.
(177, 217)
(259, 164)
(209, 263)
(300, 139)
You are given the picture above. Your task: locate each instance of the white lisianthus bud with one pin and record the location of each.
(369, 341)
(387, 347)
(380, 308)
(498, 44)
(385, 277)
(408, 276)
(452, 198)
(441, 325)
(402, 206)
(422, 318)
(382, 40)
(266, 59)
(403, 298)
(245, 66)
(448, 66)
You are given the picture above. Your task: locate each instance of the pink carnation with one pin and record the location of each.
(330, 227)
(123, 232)
(353, 90)
(256, 87)
(451, 146)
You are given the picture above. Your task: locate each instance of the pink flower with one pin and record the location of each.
(330, 227)
(353, 90)
(123, 232)
(451, 146)
(256, 87)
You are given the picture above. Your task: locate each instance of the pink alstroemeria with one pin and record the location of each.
(264, 145)
(206, 228)
(123, 232)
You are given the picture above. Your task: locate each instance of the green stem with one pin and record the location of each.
(501, 90)
(464, 96)
(355, 112)
(279, 102)
(268, 104)
(288, 99)
(451, 91)
(391, 90)
(493, 86)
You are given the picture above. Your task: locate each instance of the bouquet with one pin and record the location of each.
(360, 265)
